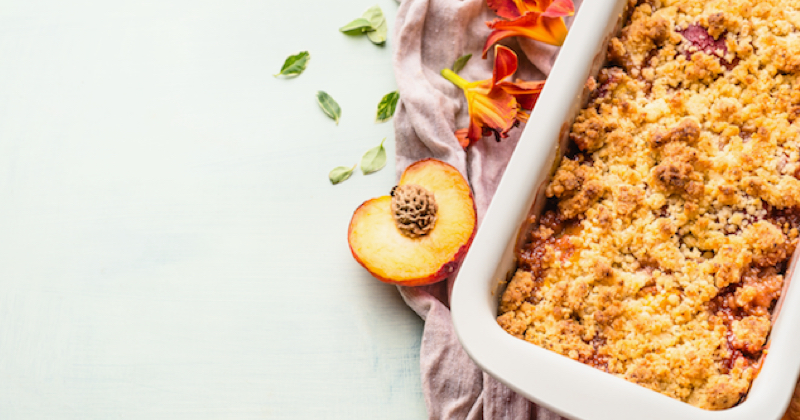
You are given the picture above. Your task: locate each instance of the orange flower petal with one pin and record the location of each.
(493, 109)
(560, 8)
(526, 93)
(527, 101)
(463, 137)
(504, 8)
(505, 63)
(475, 131)
(496, 110)
(495, 36)
(521, 86)
(481, 86)
(550, 30)
(535, 6)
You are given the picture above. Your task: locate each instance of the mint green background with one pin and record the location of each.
(170, 246)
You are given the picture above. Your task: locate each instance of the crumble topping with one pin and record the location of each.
(668, 229)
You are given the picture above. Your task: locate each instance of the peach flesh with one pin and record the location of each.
(387, 254)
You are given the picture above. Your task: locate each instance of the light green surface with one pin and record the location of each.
(171, 245)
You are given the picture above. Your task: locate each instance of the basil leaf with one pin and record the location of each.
(374, 160)
(387, 106)
(294, 64)
(329, 106)
(375, 16)
(372, 22)
(461, 62)
(378, 36)
(380, 28)
(340, 174)
(356, 27)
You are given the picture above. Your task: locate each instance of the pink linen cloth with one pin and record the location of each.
(429, 36)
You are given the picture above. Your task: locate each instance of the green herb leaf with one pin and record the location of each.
(294, 64)
(379, 25)
(378, 36)
(387, 106)
(461, 62)
(357, 26)
(374, 160)
(375, 16)
(340, 174)
(329, 106)
(372, 22)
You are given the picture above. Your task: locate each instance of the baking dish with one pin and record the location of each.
(568, 387)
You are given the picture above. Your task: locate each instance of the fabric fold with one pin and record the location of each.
(429, 36)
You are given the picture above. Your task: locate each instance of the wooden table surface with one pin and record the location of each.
(171, 247)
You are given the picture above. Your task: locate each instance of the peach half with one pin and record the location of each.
(420, 233)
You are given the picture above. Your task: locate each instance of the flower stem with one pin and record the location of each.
(454, 78)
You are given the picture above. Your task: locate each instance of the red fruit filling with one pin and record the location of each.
(699, 38)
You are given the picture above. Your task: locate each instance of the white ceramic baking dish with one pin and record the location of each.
(568, 387)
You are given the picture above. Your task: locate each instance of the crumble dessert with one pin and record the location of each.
(670, 224)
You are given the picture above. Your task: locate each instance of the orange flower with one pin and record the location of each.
(495, 106)
(541, 20)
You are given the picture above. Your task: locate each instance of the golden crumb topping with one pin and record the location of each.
(668, 230)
